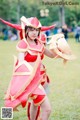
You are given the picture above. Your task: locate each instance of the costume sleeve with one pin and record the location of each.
(22, 46)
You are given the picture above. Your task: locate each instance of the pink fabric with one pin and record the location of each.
(22, 44)
(17, 81)
(33, 86)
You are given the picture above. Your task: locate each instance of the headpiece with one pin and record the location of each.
(33, 21)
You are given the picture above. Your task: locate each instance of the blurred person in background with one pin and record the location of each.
(65, 31)
(55, 30)
(77, 33)
(48, 32)
(12, 35)
(5, 34)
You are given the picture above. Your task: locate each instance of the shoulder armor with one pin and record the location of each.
(22, 46)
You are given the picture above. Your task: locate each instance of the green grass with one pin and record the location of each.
(64, 86)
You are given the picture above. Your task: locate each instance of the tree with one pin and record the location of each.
(12, 10)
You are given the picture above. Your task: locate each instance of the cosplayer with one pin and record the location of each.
(27, 77)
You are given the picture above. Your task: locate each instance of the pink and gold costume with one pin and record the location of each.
(25, 81)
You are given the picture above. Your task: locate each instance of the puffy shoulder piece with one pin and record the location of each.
(60, 46)
(22, 46)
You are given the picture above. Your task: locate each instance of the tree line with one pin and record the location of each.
(12, 10)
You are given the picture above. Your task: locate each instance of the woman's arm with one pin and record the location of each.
(49, 53)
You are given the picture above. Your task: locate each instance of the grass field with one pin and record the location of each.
(64, 86)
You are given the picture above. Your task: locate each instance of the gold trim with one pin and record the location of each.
(43, 80)
(34, 48)
(31, 52)
(25, 63)
(20, 49)
(43, 69)
(34, 97)
(22, 73)
(29, 48)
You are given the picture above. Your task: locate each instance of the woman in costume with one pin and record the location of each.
(26, 74)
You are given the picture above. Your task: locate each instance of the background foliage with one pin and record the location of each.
(9, 11)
